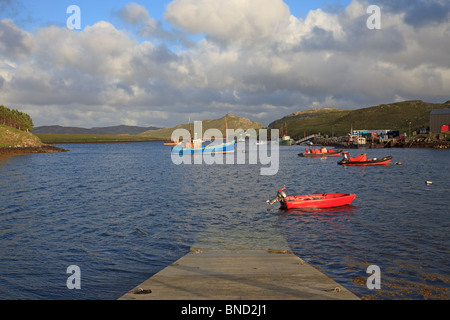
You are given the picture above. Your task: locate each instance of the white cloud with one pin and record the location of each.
(256, 60)
(229, 21)
(134, 13)
(138, 16)
(14, 42)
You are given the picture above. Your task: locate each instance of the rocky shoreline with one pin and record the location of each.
(416, 142)
(30, 150)
(425, 142)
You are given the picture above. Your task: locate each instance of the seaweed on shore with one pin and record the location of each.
(31, 150)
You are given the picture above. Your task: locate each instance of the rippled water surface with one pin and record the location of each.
(123, 212)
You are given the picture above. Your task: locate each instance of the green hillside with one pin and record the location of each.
(12, 137)
(401, 116)
(234, 122)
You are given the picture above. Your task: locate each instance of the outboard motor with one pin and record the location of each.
(280, 196)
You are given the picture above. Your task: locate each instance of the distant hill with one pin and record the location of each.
(307, 114)
(115, 130)
(393, 116)
(233, 122)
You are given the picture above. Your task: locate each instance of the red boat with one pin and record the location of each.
(325, 200)
(363, 161)
(317, 153)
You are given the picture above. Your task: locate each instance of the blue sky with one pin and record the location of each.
(31, 14)
(159, 63)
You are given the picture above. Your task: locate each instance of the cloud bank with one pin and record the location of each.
(252, 58)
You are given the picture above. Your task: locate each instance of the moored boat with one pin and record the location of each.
(171, 143)
(316, 201)
(198, 148)
(320, 153)
(352, 142)
(286, 140)
(362, 160)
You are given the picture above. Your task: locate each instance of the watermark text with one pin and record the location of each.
(74, 20)
(374, 21)
(250, 151)
(374, 280)
(74, 281)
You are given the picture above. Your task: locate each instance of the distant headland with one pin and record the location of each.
(15, 136)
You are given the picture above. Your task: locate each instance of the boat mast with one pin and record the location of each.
(226, 129)
(190, 131)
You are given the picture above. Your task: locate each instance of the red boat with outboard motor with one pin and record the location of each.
(320, 153)
(363, 161)
(316, 201)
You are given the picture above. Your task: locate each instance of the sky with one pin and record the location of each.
(160, 63)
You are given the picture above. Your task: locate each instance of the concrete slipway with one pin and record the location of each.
(217, 268)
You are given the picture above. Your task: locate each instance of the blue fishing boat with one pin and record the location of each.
(196, 147)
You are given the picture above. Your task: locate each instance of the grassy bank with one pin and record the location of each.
(52, 138)
(15, 138)
(17, 142)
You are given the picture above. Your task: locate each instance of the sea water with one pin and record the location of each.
(122, 212)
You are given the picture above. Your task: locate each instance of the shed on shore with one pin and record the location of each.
(438, 119)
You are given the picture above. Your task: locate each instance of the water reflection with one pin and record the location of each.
(4, 158)
(348, 209)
